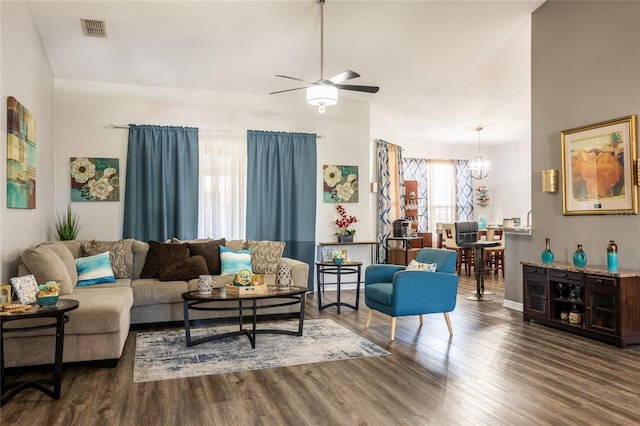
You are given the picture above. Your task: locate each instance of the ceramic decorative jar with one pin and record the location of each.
(283, 276)
(205, 284)
(612, 257)
(575, 317)
(580, 257)
(547, 254)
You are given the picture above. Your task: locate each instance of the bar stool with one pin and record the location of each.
(495, 255)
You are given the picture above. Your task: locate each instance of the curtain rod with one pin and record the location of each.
(126, 126)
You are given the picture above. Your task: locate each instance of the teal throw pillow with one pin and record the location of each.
(233, 261)
(94, 270)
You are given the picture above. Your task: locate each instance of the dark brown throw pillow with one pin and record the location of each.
(184, 270)
(211, 253)
(161, 255)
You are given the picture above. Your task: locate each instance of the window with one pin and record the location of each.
(223, 184)
(442, 192)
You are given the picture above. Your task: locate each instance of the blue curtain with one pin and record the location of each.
(281, 192)
(161, 193)
(464, 191)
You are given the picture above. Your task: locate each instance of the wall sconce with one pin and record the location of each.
(550, 180)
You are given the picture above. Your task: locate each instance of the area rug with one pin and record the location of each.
(164, 355)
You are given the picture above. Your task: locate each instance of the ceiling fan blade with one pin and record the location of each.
(368, 89)
(287, 90)
(344, 76)
(296, 79)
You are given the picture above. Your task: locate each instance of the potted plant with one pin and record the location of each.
(67, 225)
(344, 224)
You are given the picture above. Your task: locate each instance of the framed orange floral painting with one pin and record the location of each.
(598, 173)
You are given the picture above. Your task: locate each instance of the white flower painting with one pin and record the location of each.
(340, 184)
(95, 179)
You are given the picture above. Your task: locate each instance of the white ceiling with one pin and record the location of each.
(444, 68)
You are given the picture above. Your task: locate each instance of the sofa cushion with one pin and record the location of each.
(381, 293)
(235, 245)
(25, 288)
(184, 270)
(116, 255)
(94, 270)
(140, 250)
(100, 309)
(65, 251)
(234, 260)
(151, 291)
(211, 253)
(265, 256)
(161, 255)
(46, 265)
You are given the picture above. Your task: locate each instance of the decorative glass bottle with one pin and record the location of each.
(547, 254)
(579, 257)
(612, 257)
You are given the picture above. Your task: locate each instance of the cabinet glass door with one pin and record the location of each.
(602, 312)
(536, 297)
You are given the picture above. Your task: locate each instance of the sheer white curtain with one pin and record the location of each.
(442, 192)
(223, 184)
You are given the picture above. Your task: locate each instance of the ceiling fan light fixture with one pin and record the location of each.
(322, 95)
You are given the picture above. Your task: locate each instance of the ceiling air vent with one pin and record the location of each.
(93, 28)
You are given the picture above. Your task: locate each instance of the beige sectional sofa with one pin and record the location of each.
(98, 329)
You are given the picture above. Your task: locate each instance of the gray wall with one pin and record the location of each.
(585, 69)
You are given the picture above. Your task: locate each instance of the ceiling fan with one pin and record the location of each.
(324, 92)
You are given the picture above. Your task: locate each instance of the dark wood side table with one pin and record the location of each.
(331, 268)
(56, 312)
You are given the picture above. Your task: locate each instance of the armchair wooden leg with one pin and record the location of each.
(421, 319)
(366, 324)
(446, 318)
(393, 328)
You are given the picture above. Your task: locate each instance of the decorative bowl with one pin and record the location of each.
(338, 260)
(47, 300)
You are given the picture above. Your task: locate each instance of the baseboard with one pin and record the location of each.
(513, 305)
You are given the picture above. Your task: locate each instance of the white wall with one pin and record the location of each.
(25, 75)
(85, 109)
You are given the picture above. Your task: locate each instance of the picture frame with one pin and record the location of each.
(599, 175)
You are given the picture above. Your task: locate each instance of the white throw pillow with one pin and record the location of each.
(94, 270)
(414, 265)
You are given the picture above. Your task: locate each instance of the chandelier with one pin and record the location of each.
(479, 166)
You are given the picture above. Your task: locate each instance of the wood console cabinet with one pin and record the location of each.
(607, 304)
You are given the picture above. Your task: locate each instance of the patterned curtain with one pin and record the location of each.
(416, 169)
(390, 190)
(464, 191)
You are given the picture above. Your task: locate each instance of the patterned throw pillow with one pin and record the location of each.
(116, 255)
(265, 256)
(94, 270)
(234, 260)
(25, 288)
(414, 265)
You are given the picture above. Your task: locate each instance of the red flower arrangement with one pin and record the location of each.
(344, 222)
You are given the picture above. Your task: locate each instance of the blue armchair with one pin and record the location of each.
(392, 290)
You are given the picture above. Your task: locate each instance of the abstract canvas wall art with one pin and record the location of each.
(21, 156)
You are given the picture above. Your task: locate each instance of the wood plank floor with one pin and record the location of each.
(495, 370)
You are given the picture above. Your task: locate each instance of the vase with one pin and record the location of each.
(612, 257)
(345, 238)
(579, 257)
(338, 260)
(547, 254)
(283, 276)
(205, 284)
